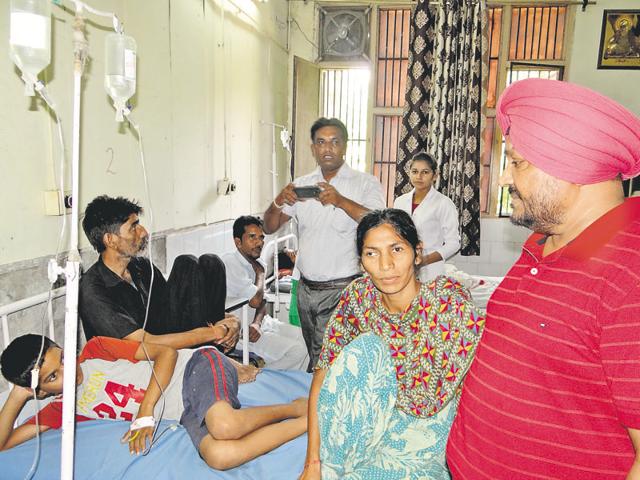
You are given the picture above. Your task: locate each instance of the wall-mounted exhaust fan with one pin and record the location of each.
(344, 33)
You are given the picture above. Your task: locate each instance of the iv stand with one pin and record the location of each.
(72, 268)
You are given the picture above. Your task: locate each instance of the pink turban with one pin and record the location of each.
(569, 131)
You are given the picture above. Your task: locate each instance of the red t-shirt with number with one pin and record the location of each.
(114, 383)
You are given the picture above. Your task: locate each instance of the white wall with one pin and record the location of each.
(621, 85)
(193, 72)
(500, 246)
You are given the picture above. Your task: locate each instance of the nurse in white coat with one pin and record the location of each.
(434, 214)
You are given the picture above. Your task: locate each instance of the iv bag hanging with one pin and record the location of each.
(120, 70)
(30, 38)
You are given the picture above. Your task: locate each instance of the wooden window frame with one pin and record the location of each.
(504, 66)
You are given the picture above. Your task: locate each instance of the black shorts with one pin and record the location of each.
(209, 377)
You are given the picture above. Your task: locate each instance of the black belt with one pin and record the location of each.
(329, 284)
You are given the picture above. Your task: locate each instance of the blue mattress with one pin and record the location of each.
(100, 455)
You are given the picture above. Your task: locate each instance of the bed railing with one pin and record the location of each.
(274, 243)
(24, 304)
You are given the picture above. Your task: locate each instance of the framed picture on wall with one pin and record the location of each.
(620, 40)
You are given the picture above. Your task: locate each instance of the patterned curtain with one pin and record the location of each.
(442, 112)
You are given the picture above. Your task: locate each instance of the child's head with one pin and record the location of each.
(19, 359)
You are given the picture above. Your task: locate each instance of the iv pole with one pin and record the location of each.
(274, 191)
(72, 268)
(71, 271)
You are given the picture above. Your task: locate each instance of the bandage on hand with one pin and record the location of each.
(142, 422)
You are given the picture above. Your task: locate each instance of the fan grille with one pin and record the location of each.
(344, 34)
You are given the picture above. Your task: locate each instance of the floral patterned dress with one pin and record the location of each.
(393, 381)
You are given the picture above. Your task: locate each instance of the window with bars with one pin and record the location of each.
(344, 95)
(537, 33)
(534, 47)
(391, 63)
(524, 41)
(486, 156)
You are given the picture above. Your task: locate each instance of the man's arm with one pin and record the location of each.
(634, 472)
(331, 196)
(620, 341)
(255, 329)
(258, 302)
(10, 437)
(164, 362)
(210, 334)
(430, 258)
(371, 198)
(274, 217)
(257, 299)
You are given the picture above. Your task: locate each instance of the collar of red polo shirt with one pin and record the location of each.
(595, 235)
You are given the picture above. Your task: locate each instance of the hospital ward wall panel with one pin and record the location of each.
(185, 68)
(251, 93)
(621, 85)
(188, 111)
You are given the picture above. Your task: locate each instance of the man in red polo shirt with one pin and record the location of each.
(554, 391)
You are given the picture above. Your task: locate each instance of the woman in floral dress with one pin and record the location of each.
(386, 386)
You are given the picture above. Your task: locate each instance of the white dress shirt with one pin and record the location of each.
(326, 234)
(436, 219)
(280, 345)
(240, 275)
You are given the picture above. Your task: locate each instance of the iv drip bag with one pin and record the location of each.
(30, 38)
(120, 70)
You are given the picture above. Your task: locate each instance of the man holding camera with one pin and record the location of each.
(328, 203)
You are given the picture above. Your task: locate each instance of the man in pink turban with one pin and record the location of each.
(554, 391)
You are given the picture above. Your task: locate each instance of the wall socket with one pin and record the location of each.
(226, 186)
(56, 204)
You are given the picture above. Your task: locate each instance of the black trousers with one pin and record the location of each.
(197, 290)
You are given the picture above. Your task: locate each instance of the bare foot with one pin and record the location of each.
(247, 373)
(300, 406)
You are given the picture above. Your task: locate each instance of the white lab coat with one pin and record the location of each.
(436, 219)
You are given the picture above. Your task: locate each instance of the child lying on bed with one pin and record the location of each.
(200, 386)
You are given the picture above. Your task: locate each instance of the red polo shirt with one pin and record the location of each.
(556, 379)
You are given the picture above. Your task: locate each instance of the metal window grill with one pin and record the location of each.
(537, 34)
(385, 152)
(486, 156)
(495, 31)
(392, 61)
(393, 57)
(344, 94)
(520, 71)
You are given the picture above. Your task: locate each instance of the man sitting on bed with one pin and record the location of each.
(280, 344)
(185, 311)
(200, 388)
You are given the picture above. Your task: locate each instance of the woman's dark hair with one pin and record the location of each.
(106, 215)
(425, 157)
(398, 219)
(19, 358)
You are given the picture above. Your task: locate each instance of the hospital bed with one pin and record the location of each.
(481, 287)
(100, 455)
